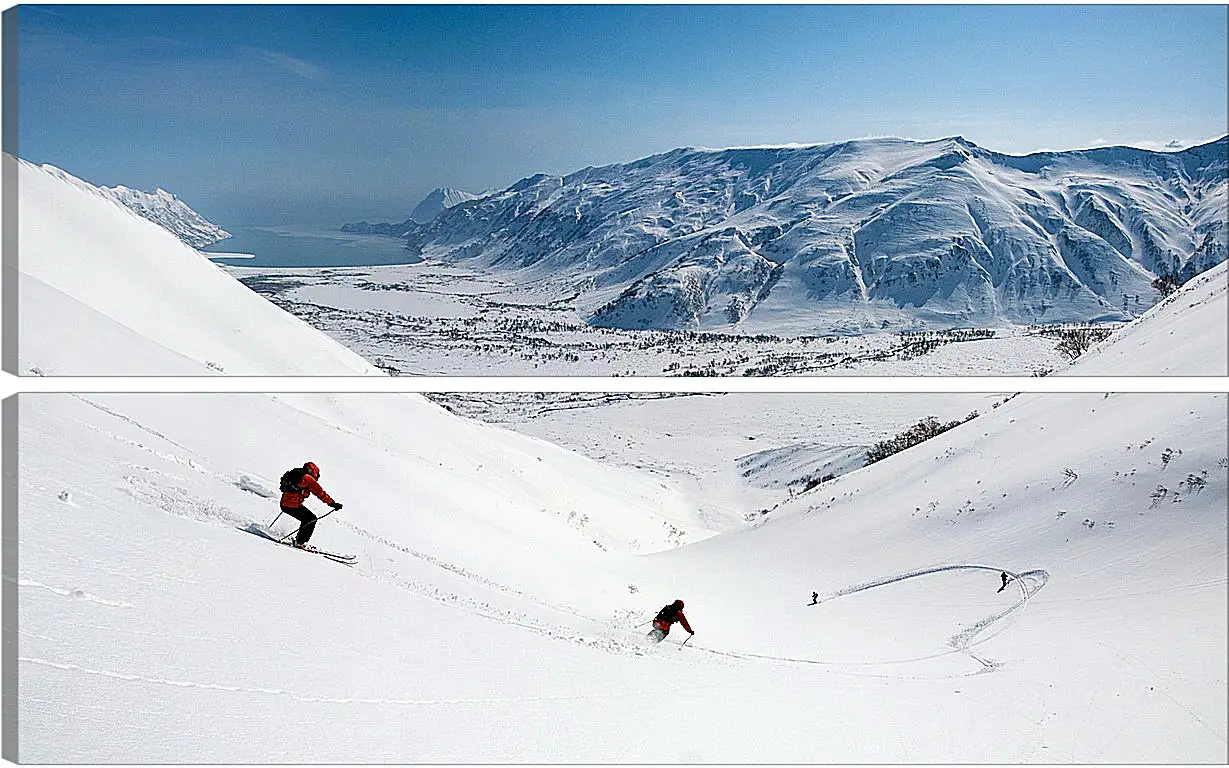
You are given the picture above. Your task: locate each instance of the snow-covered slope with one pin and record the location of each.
(1187, 334)
(159, 206)
(102, 291)
(491, 616)
(1109, 513)
(852, 237)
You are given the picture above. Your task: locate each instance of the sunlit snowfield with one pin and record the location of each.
(492, 614)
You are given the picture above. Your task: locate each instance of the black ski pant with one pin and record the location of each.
(307, 522)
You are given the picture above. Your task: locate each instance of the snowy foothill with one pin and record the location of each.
(1185, 335)
(138, 300)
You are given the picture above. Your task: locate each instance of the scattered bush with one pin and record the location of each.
(812, 482)
(1074, 342)
(923, 430)
(1167, 284)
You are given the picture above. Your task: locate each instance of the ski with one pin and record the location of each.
(336, 557)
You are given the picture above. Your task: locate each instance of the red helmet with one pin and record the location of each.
(312, 469)
(679, 604)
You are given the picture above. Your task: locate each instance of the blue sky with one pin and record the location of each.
(271, 114)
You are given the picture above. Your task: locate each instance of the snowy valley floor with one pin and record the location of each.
(432, 319)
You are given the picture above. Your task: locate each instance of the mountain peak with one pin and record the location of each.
(440, 199)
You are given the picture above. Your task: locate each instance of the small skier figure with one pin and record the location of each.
(665, 617)
(814, 599)
(298, 485)
(1004, 583)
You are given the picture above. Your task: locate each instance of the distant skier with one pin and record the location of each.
(665, 617)
(297, 485)
(814, 599)
(1004, 583)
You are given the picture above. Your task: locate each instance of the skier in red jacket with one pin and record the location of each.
(295, 493)
(665, 617)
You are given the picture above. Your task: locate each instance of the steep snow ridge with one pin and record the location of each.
(1187, 334)
(147, 303)
(852, 237)
(160, 207)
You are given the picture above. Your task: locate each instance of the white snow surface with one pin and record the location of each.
(102, 291)
(1187, 334)
(484, 622)
(756, 450)
(492, 612)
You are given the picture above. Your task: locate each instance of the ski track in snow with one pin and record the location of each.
(965, 639)
(78, 594)
(459, 571)
(961, 642)
(171, 457)
(315, 699)
(133, 422)
(480, 608)
(486, 610)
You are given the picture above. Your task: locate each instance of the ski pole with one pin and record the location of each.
(688, 640)
(279, 517)
(296, 530)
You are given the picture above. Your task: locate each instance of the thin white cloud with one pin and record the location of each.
(1161, 145)
(287, 63)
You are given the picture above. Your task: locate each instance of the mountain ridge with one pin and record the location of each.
(161, 207)
(852, 236)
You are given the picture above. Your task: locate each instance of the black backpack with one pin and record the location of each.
(669, 613)
(291, 480)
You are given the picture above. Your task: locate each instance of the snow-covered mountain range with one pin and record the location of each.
(160, 207)
(851, 237)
